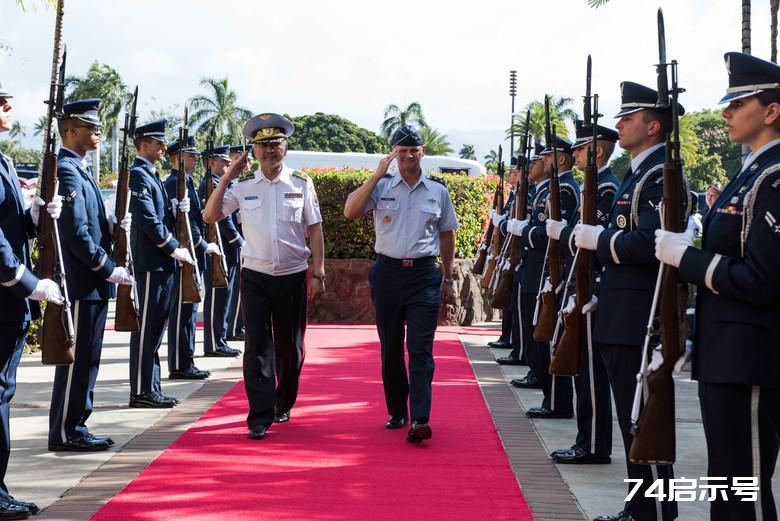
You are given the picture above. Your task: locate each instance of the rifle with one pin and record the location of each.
(548, 316)
(484, 243)
(58, 331)
(512, 248)
(565, 359)
(190, 275)
(495, 240)
(219, 277)
(127, 314)
(653, 429)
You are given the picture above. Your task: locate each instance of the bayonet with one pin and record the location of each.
(586, 112)
(663, 84)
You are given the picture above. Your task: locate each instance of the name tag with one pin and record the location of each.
(250, 198)
(293, 195)
(387, 198)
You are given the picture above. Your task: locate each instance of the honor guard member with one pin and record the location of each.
(593, 443)
(415, 222)
(155, 253)
(218, 299)
(235, 320)
(736, 358)
(279, 211)
(625, 250)
(85, 235)
(181, 319)
(20, 291)
(557, 390)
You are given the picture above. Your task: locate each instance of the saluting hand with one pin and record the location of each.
(237, 167)
(384, 164)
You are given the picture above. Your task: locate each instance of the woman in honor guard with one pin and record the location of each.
(625, 250)
(181, 319)
(217, 300)
(736, 358)
(155, 253)
(235, 319)
(20, 291)
(85, 234)
(279, 210)
(415, 222)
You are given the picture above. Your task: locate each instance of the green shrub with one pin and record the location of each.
(345, 239)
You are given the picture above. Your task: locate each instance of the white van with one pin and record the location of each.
(299, 159)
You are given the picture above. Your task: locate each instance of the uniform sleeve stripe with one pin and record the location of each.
(17, 277)
(237, 237)
(572, 247)
(166, 241)
(102, 263)
(711, 271)
(531, 238)
(612, 250)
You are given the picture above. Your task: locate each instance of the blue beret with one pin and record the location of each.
(86, 110)
(154, 130)
(749, 75)
(407, 136)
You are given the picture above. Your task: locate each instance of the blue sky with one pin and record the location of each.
(353, 58)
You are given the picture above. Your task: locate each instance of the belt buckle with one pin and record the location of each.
(407, 263)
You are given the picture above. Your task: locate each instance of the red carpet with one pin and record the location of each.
(335, 460)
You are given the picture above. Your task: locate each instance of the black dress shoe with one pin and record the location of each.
(12, 510)
(150, 401)
(257, 433)
(500, 344)
(577, 456)
(508, 360)
(32, 507)
(165, 398)
(282, 417)
(620, 516)
(544, 412)
(235, 337)
(527, 383)
(107, 439)
(82, 445)
(191, 373)
(223, 352)
(396, 422)
(418, 432)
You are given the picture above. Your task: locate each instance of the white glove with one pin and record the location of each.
(121, 276)
(47, 290)
(54, 208)
(670, 246)
(696, 220)
(591, 306)
(496, 218)
(492, 214)
(515, 227)
(127, 221)
(547, 286)
(174, 204)
(212, 248)
(554, 228)
(183, 255)
(184, 205)
(586, 236)
(656, 360)
(570, 304)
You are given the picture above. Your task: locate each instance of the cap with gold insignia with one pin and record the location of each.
(221, 151)
(635, 97)
(749, 75)
(268, 128)
(173, 148)
(584, 134)
(154, 130)
(86, 110)
(4, 93)
(407, 136)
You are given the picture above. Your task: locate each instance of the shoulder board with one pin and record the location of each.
(246, 177)
(301, 175)
(437, 179)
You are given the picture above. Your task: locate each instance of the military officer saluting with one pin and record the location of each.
(279, 211)
(155, 253)
(85, 235)
(235, 319)
(415, 222)
(625, 250)
(217, 300)
(20, 290)
(181, 319)
(736, 358)
(593, 443)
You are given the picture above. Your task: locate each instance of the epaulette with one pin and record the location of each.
(300, 175)
(246, 177)
(438, 180)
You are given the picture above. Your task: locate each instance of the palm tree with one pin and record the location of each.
(218, 113)
(436, 144)
(491, 160)
(395, 118)
(17, 131)
(467, 152)
(40, 126)
(560, 111)
(773, 6)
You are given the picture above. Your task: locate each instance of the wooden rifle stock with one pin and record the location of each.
(219, 276)
(190, 276)
(484, 244)
(495, 239)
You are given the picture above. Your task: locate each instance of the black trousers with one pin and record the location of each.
(518, 339)
(215, 310)
(181, 329)
(12, 335)
(154, 292)
(406, 297)
(275, 318)
(528, 348)
(622, 363)
(594, 401)
(74, 385)
(506, 324)
(742, 428)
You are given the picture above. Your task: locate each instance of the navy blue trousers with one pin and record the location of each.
(154, 292)
(406, 297)
(215, 310)
(519, 338)
(235, 319)
(74, 385)
(12, 337)
(181, 329)
(275, 308)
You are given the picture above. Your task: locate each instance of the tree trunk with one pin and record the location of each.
(746, 26)
(773, 5)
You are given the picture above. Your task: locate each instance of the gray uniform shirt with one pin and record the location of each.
(408, 220)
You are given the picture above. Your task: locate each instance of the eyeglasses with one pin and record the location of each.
(92, 129)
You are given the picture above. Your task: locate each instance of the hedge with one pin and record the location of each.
(345, 239)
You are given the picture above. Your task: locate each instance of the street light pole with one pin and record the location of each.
(512, 93)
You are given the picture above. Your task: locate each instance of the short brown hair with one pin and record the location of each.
(768, 97)
(663, 117)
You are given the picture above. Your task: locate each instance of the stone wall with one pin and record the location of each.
(348, 295)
